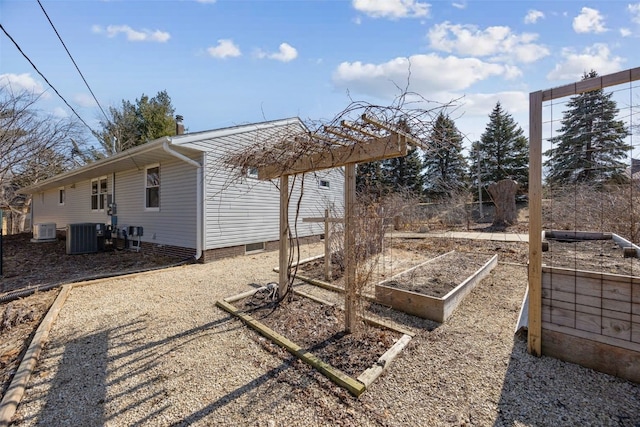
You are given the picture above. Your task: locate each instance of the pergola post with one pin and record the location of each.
(283, 256)
(534, 341)
(350, 255)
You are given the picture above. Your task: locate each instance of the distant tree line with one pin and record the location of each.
(589, 147)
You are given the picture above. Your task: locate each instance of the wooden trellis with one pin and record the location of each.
(366, 140)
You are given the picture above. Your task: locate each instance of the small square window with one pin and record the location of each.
(324, 183)
(252, 173)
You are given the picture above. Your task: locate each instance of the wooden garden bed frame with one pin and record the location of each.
(426, 306)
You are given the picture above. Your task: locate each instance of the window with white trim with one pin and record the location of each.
(324, 183)
(61, 196)
(252, 172)
(98, 193)
(152, 188)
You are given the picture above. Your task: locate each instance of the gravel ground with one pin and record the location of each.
(154, 350)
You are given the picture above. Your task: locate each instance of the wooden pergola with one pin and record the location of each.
(346, 145)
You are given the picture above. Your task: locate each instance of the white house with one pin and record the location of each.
(185, 198)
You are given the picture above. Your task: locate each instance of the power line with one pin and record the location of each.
(45, 79)
(72, 60)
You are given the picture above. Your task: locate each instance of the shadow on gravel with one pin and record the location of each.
(112, 359)
(548, 392)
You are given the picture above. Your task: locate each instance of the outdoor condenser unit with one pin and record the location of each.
(82, 238)
(44, 232)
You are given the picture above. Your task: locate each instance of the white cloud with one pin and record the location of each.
(462, 5)
(60, 112)
(429, 73)
(285, 53)
(625, 32)
(224, 49)
(499, 42)
(483, 103)
(20, 82)
(132, 35)
(589, 21)
(597, 57)
(393, 9)
(634, 10)
(533, 16)
(206, 1)
(84, 100)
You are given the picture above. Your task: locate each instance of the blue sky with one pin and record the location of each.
(231, 62)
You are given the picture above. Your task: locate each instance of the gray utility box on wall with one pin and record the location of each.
(82, 238)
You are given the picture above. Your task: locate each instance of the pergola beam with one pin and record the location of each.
(341, 134)
(380, 149)
(358, 128)
(411, 140)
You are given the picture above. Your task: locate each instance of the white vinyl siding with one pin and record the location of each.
(243, 210)
(76, 209)
(174, 225)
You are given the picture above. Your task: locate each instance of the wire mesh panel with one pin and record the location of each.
(585, 281)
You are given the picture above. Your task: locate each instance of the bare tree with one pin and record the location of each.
(33, 146)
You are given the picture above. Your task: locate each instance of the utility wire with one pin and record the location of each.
(45, 79)
(74, 62)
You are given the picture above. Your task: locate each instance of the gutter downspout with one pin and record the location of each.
(199, 198)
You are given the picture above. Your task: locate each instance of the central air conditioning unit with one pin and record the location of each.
(44, 232)
(82, 238)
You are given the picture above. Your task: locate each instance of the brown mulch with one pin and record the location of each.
(18, 321)
(319, 328)
(27, 264)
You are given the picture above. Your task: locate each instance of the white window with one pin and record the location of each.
(98, 193)
(152, 188)
(252, 173)
(61, 196)
(324, 183)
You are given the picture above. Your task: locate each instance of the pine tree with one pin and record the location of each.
(370, 180)
(445, 166)
(590, 147)
(503, 150)
(134, 124)
(404, 174)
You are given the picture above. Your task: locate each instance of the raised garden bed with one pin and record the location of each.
(432, 290)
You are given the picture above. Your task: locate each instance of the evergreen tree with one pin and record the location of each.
(370, 179)
(590, 147)
(404, 174)
(134, 124)
(503, 150)
(445, 165)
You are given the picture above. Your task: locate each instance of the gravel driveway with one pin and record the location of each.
(154, 350)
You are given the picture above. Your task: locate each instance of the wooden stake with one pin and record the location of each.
(534, 342)
(283, 281)
(349, 247)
